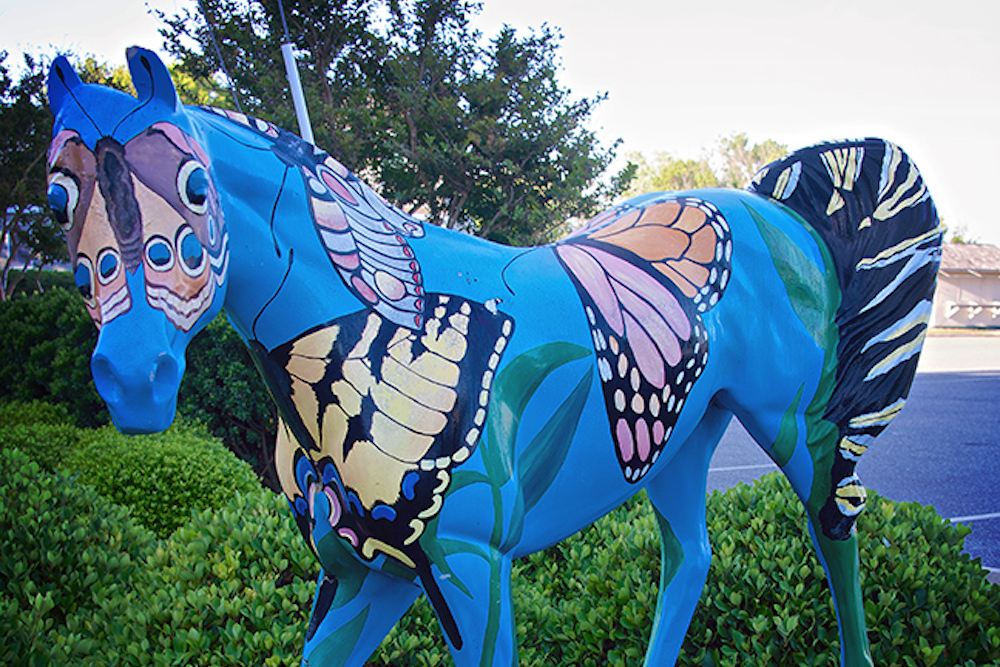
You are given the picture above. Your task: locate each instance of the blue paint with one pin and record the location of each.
(382, 338)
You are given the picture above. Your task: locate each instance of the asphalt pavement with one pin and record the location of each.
(942, 450)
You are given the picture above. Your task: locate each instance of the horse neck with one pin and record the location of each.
(279, 277)
(281, 281)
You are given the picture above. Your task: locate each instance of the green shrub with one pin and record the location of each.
(767, 595)
(41, 430)
(82, 583)
(64, 553)
(14, 413)
(162, 477)
(223, 390)
(50, 445)
(231, 587)
(590, 600)
(46, 341)
(45, 345)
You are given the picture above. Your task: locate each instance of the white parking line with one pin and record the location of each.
(975, 517)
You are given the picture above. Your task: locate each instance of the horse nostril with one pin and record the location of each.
(164, 377)
(105, 378)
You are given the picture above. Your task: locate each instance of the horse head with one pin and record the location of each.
(132, 187)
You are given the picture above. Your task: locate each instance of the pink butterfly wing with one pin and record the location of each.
(644, 275)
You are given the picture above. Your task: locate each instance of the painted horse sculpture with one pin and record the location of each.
(448, 404)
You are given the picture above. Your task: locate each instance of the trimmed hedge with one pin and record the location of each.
(233, 586)
(18, 413)
(162, 477)
(82, 583)
(46, 341)
(65, 554)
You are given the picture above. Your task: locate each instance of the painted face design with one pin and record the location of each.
(150, 202)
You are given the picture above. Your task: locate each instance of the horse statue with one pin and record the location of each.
(448, 404)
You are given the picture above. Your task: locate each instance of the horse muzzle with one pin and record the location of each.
(137, 370)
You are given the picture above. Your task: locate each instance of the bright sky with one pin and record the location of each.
(682, 75)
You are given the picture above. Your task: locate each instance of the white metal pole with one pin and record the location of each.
(295, 85)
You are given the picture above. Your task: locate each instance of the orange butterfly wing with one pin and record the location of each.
(645, 273)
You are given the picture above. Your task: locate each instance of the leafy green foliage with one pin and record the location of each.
(66, 555)
(46, 341)
(31, 413)
(25, 130)
(223, 390)
(590, 599)
(81, 583)
(45, 344)
(232, 587)
(478, 135)
(731, 164)
(162, 477)
(42, 431)
(49, 445)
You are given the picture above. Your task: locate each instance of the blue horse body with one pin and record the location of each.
(536, 291)
(543, 464)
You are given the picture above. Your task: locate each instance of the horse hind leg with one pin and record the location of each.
(814, 459)
(678, 497)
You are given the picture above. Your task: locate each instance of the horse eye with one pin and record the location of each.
(159, 253)
(63, 196)
(84, 278)
(107, 265)
(192, 186)
(191, 251)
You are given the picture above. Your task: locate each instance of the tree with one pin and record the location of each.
(740, 161)
(478, 137)
(190, 90)
(25, 126)
(735, 164)
(665, 172)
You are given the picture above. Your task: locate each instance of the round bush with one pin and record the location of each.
(233, 586)
(162, 477)
(590, 600)
(50, 445)
(65, 552)
(15, 413)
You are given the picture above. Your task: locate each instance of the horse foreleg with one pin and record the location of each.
(678, 497)
(352, 614)
(477, 591)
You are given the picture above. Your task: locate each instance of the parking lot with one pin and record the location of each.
(943, 450)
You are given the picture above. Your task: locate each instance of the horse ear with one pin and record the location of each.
(62, 80)
(151, 77)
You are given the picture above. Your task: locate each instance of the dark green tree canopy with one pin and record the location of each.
(25, 129)
(474, 134)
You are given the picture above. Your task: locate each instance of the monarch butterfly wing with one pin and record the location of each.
(645, 274)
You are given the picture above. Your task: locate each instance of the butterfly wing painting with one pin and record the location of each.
(645, 274)
(365, 237)
(156, 207)
(383, 414)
